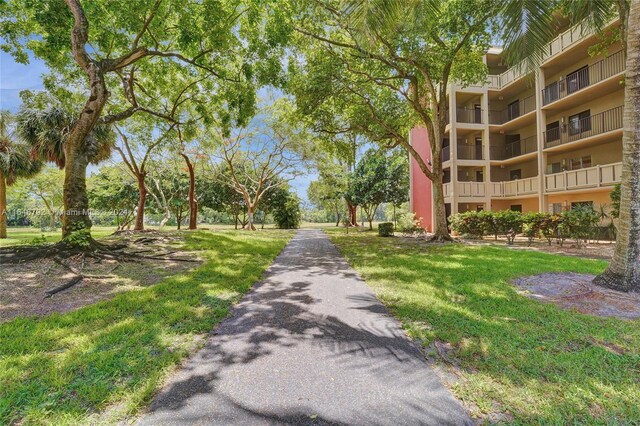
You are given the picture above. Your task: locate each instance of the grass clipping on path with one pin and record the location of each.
(66, 368)
(535, 362)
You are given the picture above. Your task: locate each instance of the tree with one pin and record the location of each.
(129, 43)
(262, 158)
(388, 73)
(329, 190)
(397, 181)
(15, 162)
(46, 188)
(287, 215)
(368, 185)
(272, 199)
(527, 30)
(113, 192)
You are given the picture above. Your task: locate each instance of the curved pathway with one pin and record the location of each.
(310, 344)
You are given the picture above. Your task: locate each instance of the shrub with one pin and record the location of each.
(409, 224)
(549, 227)
(385, 229)
(468, 223)
(508, 223)
(532, 225)
(287, 215)
(579, 223)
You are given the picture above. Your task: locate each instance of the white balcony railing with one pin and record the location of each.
(514, 188)
(591, 177)
(471, 189)
(446, 189)
(557, 45)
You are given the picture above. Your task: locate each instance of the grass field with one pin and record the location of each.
(68, 368)
(535, 361)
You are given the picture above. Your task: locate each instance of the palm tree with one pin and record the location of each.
(15, 162)
(528, 28)
(46, 132)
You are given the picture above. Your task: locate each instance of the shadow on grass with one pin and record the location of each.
(63, 367)
(538, 362)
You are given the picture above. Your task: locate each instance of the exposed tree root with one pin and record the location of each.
(440, 238)
(95, 250)
(73, 281)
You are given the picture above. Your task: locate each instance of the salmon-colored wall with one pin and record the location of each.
(528, 204)
(421, 197)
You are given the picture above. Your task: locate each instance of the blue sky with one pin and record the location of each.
(15, 77)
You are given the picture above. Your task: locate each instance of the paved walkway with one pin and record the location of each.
(310, 345)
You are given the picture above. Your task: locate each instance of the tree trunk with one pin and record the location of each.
(250, 225)
(52, 220)
(193, 203)
(623, 272)
(440, 230)
(236, 220)
(264, 218)
(75, 216)
(142, 200)
(3, 206)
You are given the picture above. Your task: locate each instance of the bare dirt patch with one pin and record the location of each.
(576, 292)
(24, 287)
(592, 250)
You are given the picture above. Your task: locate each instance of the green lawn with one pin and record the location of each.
(66, 368)
(26, 235)
(540, 363)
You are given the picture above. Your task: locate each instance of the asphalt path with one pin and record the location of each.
(310, 344)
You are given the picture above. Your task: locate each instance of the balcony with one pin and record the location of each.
(465, 189)
(584, 77)
(515, 188)
(470, 152)
(469, 115)
(513, 111)
(471, 189)
(515, 149)
(587, 127)
(591, 177)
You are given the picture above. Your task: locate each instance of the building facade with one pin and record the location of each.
(543, 140)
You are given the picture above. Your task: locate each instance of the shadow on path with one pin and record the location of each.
(309, 345)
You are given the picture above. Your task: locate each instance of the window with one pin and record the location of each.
(477, 114)
(478, 148)
(579, 123)
(553, 131)
(479, 208)
(512, 145)
(554, 168)
(479, 176)
(515, 174)
(516, 208)
(513, 110)
(555, 208)
(577, 80)
(580, 163)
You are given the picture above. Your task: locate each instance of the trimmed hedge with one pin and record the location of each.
(579, 224)
(385, 229)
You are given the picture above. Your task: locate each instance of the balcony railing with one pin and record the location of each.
(514, 188)
(513, 111)
(584, 77)
(470, 152)
(591, 177)
(515, 149)
(469, 115)
(471, 189)
(577, 129)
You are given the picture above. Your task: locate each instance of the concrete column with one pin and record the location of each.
(541, 122)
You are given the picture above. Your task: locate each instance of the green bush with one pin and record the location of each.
(508, 223)
(468, 223)
(408, 223)
(579, 224)
(549, 226)
(532, 224)
(385, 229)
(287, 215)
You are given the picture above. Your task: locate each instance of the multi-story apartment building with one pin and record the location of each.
(541, 140)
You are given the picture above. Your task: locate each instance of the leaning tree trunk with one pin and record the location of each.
(353, 214)
(193, 203)
(623, 272)
(440, 230)
(3, 206)
(142, 201)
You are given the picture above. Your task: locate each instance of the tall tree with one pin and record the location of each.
(388, 65)
(528, 27)
(15, 162)
(119, 44)
(113, 192)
